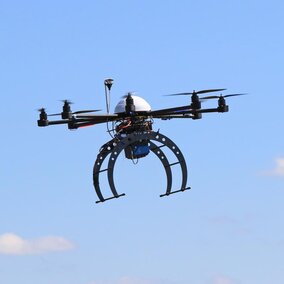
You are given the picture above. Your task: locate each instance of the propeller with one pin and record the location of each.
(221, 96)
(42, 115)
(128, 94)
(195, 101)
(221, 101)
(86, 111)
(67, 102)
(197, 92)
(77, 112)
(54, 114)
(67, 110)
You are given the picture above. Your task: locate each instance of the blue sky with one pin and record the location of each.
(228, 229)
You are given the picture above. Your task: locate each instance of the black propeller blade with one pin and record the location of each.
(42, 115)
(54, 114)
(78, 112)
(86, 111)
(221, 96)
(197, 92)
(67, 110)
(67, 102)
(128, 94)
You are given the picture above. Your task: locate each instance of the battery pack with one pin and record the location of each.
(137, 150)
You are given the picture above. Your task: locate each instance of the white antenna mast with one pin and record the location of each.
(108, 85)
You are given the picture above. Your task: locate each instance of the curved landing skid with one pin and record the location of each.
(115, 146)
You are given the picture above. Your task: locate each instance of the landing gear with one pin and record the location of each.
(143, 141)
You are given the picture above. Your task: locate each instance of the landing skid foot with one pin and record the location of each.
(176, 191)
(117, 196)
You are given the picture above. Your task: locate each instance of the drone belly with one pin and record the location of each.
(137, 150)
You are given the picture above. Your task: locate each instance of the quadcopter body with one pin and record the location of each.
(132, 132)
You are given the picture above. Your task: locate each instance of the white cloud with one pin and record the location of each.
(15, 245)
(278, 169)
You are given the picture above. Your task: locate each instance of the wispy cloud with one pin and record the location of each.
(133, 280)
(223, 280)
(224, 220)
(130, 280)
(220, 279)
(278, 169)
(236, 226)
(15, 245)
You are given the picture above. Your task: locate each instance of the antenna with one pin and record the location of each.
(108, 84)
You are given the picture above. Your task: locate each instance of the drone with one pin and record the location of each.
(132, 132)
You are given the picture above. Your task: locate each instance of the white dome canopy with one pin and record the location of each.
(140, 105)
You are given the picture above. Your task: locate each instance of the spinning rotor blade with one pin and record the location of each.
(42, 116)
(197, 93)
(221, 96)
(170, 110)
(67, 102)
(54, 114)
(96, 119)
(78, 112)
(133, 93)
(86, 111)
(234, 95)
